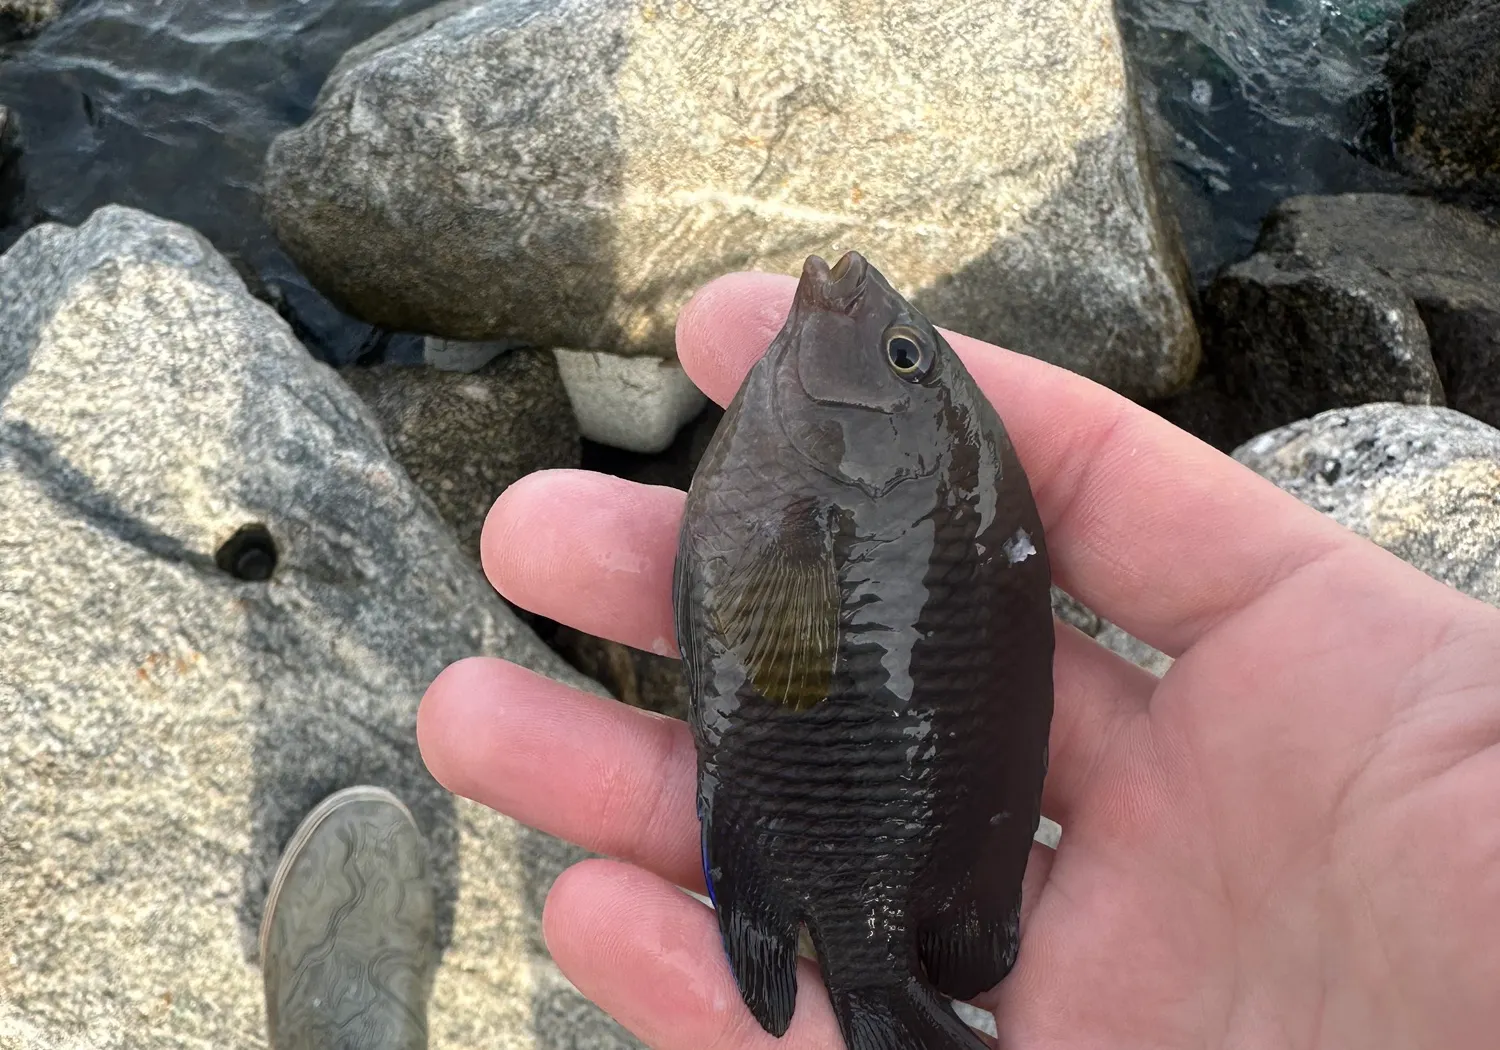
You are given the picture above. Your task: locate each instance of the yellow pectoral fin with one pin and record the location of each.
(778, 611)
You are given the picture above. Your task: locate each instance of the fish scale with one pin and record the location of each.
(862, 604)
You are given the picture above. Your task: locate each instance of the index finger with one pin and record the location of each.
(1145, 524)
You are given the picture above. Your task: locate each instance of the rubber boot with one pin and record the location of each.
(348, 942)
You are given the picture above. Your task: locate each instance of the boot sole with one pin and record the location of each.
(309, 825)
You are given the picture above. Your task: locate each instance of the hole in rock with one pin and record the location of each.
(250, 554)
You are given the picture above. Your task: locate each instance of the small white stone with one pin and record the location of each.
(974, 1017)
(634, 403)
(1048, 833)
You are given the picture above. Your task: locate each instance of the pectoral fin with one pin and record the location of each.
(777, 609)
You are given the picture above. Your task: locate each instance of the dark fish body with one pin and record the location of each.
(862, 603)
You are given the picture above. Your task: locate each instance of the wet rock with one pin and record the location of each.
(634, 403)
(1419, 481)
(466, 437)
(1444, 77)
(10, 163)
(20, 18)
(566, 173)
(220, 600)
(1355, 299)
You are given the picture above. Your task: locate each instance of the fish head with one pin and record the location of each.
(865, 383)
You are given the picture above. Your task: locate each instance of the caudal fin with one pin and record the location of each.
(904, 1017)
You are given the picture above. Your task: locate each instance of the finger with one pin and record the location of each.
(592, 551)
(651, 956)
(620, 781)
(611, 778)
(1145, 524)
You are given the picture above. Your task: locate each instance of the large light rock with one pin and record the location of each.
(1420, 481)
(166, 723)
(570, 172)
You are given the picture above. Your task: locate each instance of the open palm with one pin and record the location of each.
(1291, 840)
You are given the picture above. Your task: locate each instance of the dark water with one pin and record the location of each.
(169, 106)
(1262, 100)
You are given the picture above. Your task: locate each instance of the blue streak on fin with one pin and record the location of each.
(708, 879)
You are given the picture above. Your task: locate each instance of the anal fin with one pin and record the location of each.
(759, 931)
(969, 949)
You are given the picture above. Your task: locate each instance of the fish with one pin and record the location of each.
(861, 598)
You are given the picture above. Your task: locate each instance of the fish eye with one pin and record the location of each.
(909, 355)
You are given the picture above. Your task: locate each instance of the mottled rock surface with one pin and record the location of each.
(1445, 94)
(634, 403)
(164, 725)
(22, 17)
(1071, 611)
(570, 172)
(1420, 481)
(1355, 299)
(466, 437)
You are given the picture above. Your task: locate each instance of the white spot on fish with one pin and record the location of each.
(661, 647)
(1019, 547)
(1004, 814)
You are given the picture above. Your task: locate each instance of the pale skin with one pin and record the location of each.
(1292, 840)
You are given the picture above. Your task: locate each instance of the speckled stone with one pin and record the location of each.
(1423, 482)
(1444, 74)
(23, 17)
(165, 725)
(569, 172)
(466, 437)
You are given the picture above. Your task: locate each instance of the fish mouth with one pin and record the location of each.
(837, 287)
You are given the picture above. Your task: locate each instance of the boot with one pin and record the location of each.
(348, 943)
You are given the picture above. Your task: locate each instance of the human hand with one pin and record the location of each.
(1290, 840)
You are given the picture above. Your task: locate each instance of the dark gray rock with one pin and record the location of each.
(1355, 299)
(466, 437)
(165, 723)
(1419, 481)
(566, 173)
(20, 18)
(1444, 77)
(10, 163)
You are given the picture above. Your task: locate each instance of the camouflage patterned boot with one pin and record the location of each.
(348, 944)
